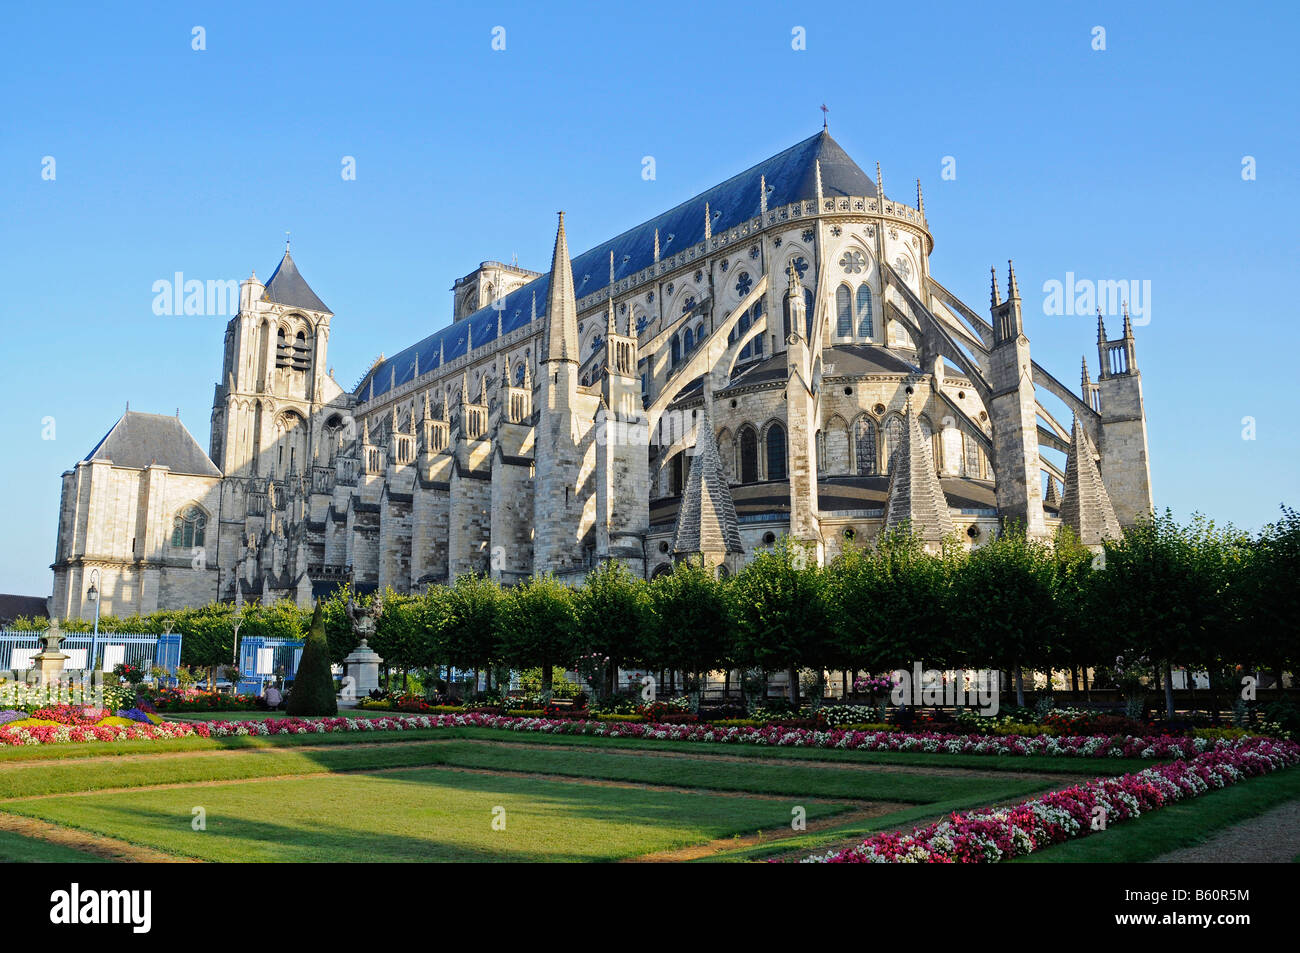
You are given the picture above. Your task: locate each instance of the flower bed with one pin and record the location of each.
(1101, 746)
(179, 700)
(997, 834)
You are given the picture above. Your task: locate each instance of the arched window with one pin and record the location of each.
(843, 311)
(688, 344)
(748, 455)
(866, 327)
(808, 312)
(677, 351)
(972, 457)
(776, 452)
(519, 375)
(893, 437)
(864, 440)
(189, 528)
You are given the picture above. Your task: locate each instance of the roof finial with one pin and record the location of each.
(920, 199)
(995, 298)
(708, 226)
(1086, 379)
(1101, 331)
(1013, 289)
(656, 246)
(1128, 322)
(880, 184)
(286, 243)
(762, 198)
(825, 124)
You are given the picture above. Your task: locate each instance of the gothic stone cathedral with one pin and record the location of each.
(770, 357)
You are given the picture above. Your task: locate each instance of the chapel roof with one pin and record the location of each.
(789, 175)
(141, 440)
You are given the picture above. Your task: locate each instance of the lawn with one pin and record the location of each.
(430, 795)
(421, 815)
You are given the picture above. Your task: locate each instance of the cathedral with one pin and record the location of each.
(771, 357)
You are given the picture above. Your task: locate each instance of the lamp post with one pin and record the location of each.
(93, 595)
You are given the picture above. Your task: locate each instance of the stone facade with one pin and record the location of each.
(551, 425)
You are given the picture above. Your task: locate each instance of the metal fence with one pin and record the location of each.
(88, 652)
(265, 659)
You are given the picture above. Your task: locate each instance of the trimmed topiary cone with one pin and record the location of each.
(313, 687)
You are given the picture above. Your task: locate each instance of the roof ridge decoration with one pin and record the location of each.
(706, 518)
(1085, 504)
(916, 498)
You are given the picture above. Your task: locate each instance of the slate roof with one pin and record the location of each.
(790, 176)
(287, 286)
(916, 497)
(706, 519)
(1085, 504)
(11, 607)
(140, 440)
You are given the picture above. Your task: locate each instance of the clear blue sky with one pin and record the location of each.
(1117, 164)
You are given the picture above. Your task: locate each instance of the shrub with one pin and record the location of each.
(313, 688)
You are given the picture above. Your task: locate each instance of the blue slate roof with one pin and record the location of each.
(791, 176)
(287, 286)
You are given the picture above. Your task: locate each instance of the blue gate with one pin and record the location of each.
(88, 652)
(262, 659)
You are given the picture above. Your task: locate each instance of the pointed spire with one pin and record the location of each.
(1128, 324)
(916, 496)
(920, 199)
(1013, 289)
(762, 199)
(1101, 329)
(1051, 499)
(464, 387)
(528, 375)
(1085, 504)
(1086, 380)
(706, 517)
(611, 323)
(426, 414)
(365, 430)
(880, 184)
(995, 296)
(817, 167)
(560, 342)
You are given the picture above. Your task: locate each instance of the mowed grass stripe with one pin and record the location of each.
(419, 815)
(793, 780)
(20, 849)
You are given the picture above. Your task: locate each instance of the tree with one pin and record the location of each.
(782, 614)
(689, 626)
(890, 604)
(1003, 600)
(1163, 591)
(313, 688)
(611, 608)
(536, 626)
(463, 618)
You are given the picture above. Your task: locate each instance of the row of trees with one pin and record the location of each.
(1167, 594)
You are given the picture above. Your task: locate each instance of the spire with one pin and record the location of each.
(1051, 499)
(365, 430)
(995, 297)
(1101, 328)
(706, 518)
(611, 323)
(880, 184)
(1086, 380)
(915, 495)
(464, 387)
(762, 199)
(1128, 324)
(817, 166)
(1085, 504)
(920, 199)
(425, 414)
(1013, 289)
(560, 342)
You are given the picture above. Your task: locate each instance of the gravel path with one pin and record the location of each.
(1272, 838)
